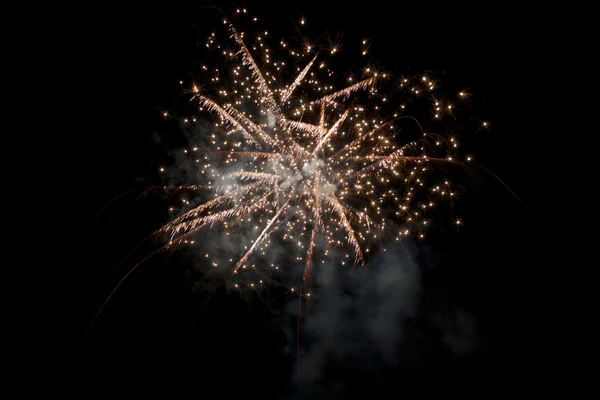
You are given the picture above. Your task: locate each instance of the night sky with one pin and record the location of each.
(492, 269)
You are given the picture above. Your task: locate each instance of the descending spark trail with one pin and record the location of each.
(302, 160)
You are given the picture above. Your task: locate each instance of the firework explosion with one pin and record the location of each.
(295, 163)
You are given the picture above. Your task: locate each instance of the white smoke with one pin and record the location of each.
(311, 166)
(358, 311)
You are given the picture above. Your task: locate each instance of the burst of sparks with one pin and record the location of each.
(305, 160)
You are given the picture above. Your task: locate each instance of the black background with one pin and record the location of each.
(497, 266)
